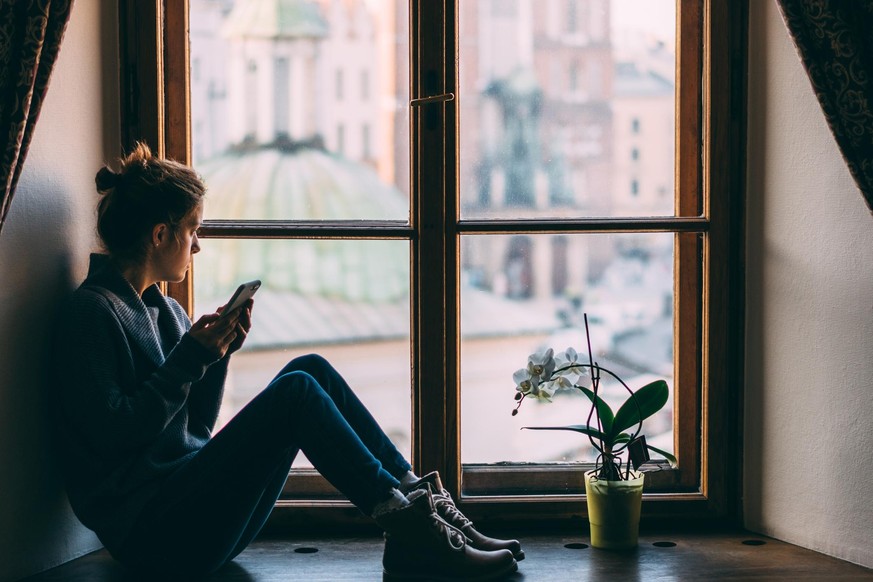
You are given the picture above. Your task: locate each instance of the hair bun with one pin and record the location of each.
(106, 179)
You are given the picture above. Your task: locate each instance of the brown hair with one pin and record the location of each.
(144, 192)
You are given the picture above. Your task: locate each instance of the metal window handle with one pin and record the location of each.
(432, 99)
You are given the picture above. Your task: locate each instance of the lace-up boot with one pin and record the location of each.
(447, 509)
(419, 544)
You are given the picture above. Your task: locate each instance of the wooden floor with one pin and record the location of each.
(550, 558)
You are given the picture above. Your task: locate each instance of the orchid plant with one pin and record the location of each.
(609, 432)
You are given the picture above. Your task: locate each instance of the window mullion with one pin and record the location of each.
(587, 225)
(687, 269)
(141, 74)
(434, 400)
(177, 111)
(723, 160)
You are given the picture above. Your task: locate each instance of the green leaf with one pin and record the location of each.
(603, 409)
(670, 458)
(625, 437)
(581, 428)
(644, 403)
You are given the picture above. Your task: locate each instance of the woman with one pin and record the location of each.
(139, 393)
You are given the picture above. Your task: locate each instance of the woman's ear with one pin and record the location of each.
(160, 233)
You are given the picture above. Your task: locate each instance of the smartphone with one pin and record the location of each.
(242, 294)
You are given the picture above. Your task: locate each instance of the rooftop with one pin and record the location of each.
(273, 19)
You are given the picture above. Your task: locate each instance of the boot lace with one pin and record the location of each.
(446, 506)
(454, 537)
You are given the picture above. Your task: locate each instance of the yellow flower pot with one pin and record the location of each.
(614, 511)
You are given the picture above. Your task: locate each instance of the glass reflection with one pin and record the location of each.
(290, 100)
(521, 294)
(567, 108)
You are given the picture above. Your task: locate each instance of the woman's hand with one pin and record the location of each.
(223, 336)
(243, 325)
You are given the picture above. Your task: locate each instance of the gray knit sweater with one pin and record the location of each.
(134, 402)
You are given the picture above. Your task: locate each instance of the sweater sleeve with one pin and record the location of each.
(105, 397)
(204, 402)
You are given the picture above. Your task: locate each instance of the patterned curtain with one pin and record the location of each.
(30, 37)
(835, 41)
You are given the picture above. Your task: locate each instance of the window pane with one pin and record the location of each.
(346, 300)
(556, 98)
(281, 127)
(521, 294)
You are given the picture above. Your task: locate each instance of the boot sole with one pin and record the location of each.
(401, 576)
(519, 555)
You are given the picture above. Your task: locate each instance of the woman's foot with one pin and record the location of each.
(419, 544)
(447, 510)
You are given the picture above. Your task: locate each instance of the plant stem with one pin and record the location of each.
(595, 383)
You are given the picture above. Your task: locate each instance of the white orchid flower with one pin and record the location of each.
(546, 390)
(562, 383)
(525, 382)
(538, 379)
(541, 364)
(568, 356)
(574, 370)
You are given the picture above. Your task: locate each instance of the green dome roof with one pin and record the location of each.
(302, 183)
(276, 19)
(306, 184)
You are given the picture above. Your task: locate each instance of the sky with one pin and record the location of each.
(629, 17)
(655, 15)
(644, 20)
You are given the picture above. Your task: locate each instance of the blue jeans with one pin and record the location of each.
(208, 511)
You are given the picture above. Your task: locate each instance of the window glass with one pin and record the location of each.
(537, 144)
(522, 294)
(346, 300)
(278, 113)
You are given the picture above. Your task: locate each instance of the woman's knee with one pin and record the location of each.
(310, 363)
(296, 388)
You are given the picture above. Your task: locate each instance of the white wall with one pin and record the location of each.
(44, 250)
(809, 354)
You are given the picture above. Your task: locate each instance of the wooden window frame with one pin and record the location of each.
(709, 251)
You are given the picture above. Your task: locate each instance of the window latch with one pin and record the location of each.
(432, 99)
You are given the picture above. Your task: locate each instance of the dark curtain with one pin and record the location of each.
(835, 41)
(30, 37)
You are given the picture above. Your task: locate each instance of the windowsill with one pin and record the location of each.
(513, 495)
(660, 556)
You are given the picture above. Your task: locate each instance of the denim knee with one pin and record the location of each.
(311, 361)
(312, 364)
(296, 387)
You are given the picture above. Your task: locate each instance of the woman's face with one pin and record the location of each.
(172, 256)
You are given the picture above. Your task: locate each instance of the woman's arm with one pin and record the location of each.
(111, 392)
(206, 394)
(204, 401)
